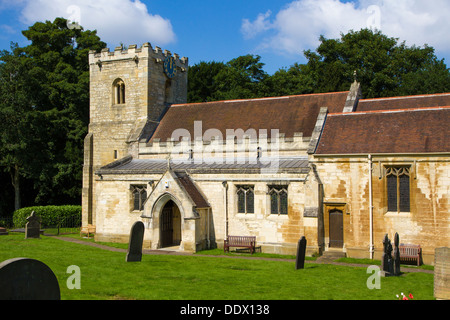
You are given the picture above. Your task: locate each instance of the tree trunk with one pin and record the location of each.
(16, 184)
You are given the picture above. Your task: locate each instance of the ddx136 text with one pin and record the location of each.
(235, 309)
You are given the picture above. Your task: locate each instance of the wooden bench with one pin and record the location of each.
(240, 241)
(89, 229)
(410, 252)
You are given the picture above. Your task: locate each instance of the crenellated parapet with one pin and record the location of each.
(146, 51)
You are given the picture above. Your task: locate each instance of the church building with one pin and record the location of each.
(338, 169)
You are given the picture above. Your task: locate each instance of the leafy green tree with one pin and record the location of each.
(383, 66)
(202, 83)
(242, 78)
(45, 93)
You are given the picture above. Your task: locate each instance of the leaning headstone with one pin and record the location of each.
(134, 253)
(396, 255)
(33, 226)
(27, 279)
(301, 252)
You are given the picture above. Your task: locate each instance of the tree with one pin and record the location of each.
(242, 78)
(50, 105)
(383, 66)
(202, 83)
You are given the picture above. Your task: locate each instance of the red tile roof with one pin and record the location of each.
(192, 190)
(417, 101)
(418, 130)
(288, 114)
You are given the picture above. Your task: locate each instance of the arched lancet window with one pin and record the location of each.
(278, 200)
(119, 92)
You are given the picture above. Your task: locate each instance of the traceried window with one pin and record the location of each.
(119, 92)
(398, 189)
(278, 199)
(139, 194)
(246, 199)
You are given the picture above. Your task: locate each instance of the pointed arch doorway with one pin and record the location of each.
(170, 225)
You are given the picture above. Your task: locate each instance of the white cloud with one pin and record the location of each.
(251, 29)
(298, 25)
(116, 21)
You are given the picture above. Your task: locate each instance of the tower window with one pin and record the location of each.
(119, 91)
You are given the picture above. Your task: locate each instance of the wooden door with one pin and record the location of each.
(167, 225)
(336, 229)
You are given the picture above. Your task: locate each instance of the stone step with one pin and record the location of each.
(329, 256)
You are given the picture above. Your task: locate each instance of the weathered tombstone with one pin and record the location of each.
(134, 253)
(396, 255)
(33, 226)
(27, 279)
(442, 273)
(301, 252)
(386, 259)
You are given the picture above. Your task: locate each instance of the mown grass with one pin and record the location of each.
(106, 275)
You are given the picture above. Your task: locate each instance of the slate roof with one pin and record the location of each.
(129, 165)
(289, 114)
(415, 130)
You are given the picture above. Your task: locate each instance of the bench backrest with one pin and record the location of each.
(409, 249)
(241, 239)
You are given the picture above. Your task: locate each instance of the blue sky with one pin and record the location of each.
(216, 30)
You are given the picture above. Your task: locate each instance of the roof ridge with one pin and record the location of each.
(406, 97)
(389, 111)
(258, 99)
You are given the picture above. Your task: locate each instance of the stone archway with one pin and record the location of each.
(170, 225)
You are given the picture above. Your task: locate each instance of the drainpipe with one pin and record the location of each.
(225, 199)
(371, 249)
(209, 239)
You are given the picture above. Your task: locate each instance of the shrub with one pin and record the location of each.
(68, 216)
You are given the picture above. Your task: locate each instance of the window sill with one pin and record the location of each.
(397, 214)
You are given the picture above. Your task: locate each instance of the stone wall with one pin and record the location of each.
(346, 182)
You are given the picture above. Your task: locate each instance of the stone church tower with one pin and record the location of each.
(130, 90)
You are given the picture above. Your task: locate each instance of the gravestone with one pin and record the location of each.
(396, 255)
(27, 279)
(301, 252)
(386, 258)
(134, 253)
(33, 226)
(442, 273)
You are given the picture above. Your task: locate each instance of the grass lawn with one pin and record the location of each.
(106, 275)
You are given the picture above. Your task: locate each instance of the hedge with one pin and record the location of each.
(67, 216)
